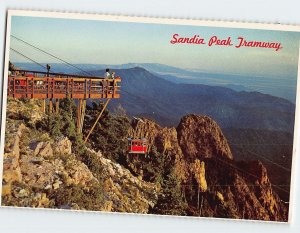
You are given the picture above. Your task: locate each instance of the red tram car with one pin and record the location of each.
(137, 146)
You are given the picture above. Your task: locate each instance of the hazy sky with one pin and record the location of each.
(101, 42)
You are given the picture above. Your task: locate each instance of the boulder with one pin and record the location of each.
(63, 146)
(107, 206)
(198, 168)
(42, 149)
(11, 165)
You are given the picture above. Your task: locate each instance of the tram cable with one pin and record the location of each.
(269, 160)
(21, 54)
(250, 174)
(52, 55)
(242, 146)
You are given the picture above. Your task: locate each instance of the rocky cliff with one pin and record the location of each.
(201, 137)
(212, 183)
(189, 170)
(41, 171)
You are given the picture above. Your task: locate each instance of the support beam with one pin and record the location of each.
(100, 114)
(83, 107)
(50, 106)
(44, 105)
(57, 106)
(78, 120)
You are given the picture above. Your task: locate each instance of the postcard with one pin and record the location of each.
(149, 115)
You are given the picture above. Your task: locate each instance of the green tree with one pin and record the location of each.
(63, 124)
(170, 200)
(54, 125)
(110, 134)
(153, 165)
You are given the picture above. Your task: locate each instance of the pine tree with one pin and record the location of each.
(171, 201)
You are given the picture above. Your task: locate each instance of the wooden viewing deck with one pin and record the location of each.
(43, 85)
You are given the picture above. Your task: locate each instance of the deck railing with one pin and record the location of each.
(43, 85)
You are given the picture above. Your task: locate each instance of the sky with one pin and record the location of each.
(104, 42)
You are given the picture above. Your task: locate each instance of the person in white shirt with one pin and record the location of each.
(107, 74)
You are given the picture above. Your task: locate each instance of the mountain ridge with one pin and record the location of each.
(229, 108)
(267, 85)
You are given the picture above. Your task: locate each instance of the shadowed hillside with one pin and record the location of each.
(273, 148)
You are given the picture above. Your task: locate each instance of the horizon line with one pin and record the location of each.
(193, 70)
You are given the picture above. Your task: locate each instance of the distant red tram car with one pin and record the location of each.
(138, 146)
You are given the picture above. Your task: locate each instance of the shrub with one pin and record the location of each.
(92, 161)
(86, 198)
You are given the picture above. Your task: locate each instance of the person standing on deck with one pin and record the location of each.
(111, 83)
(107, 74)
(105, 83)
(48, 67)
(11, 68)
(113, 75)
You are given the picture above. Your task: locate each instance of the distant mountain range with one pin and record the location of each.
(144, 94)
(268, 85)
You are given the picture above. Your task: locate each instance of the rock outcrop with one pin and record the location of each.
(200, 137)
(165, 141)
(30, 164)
(11, 165)
(28, 110)
(198, 170)
(213, 184)
(42, 171)
(125, 192)
(45, 166)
